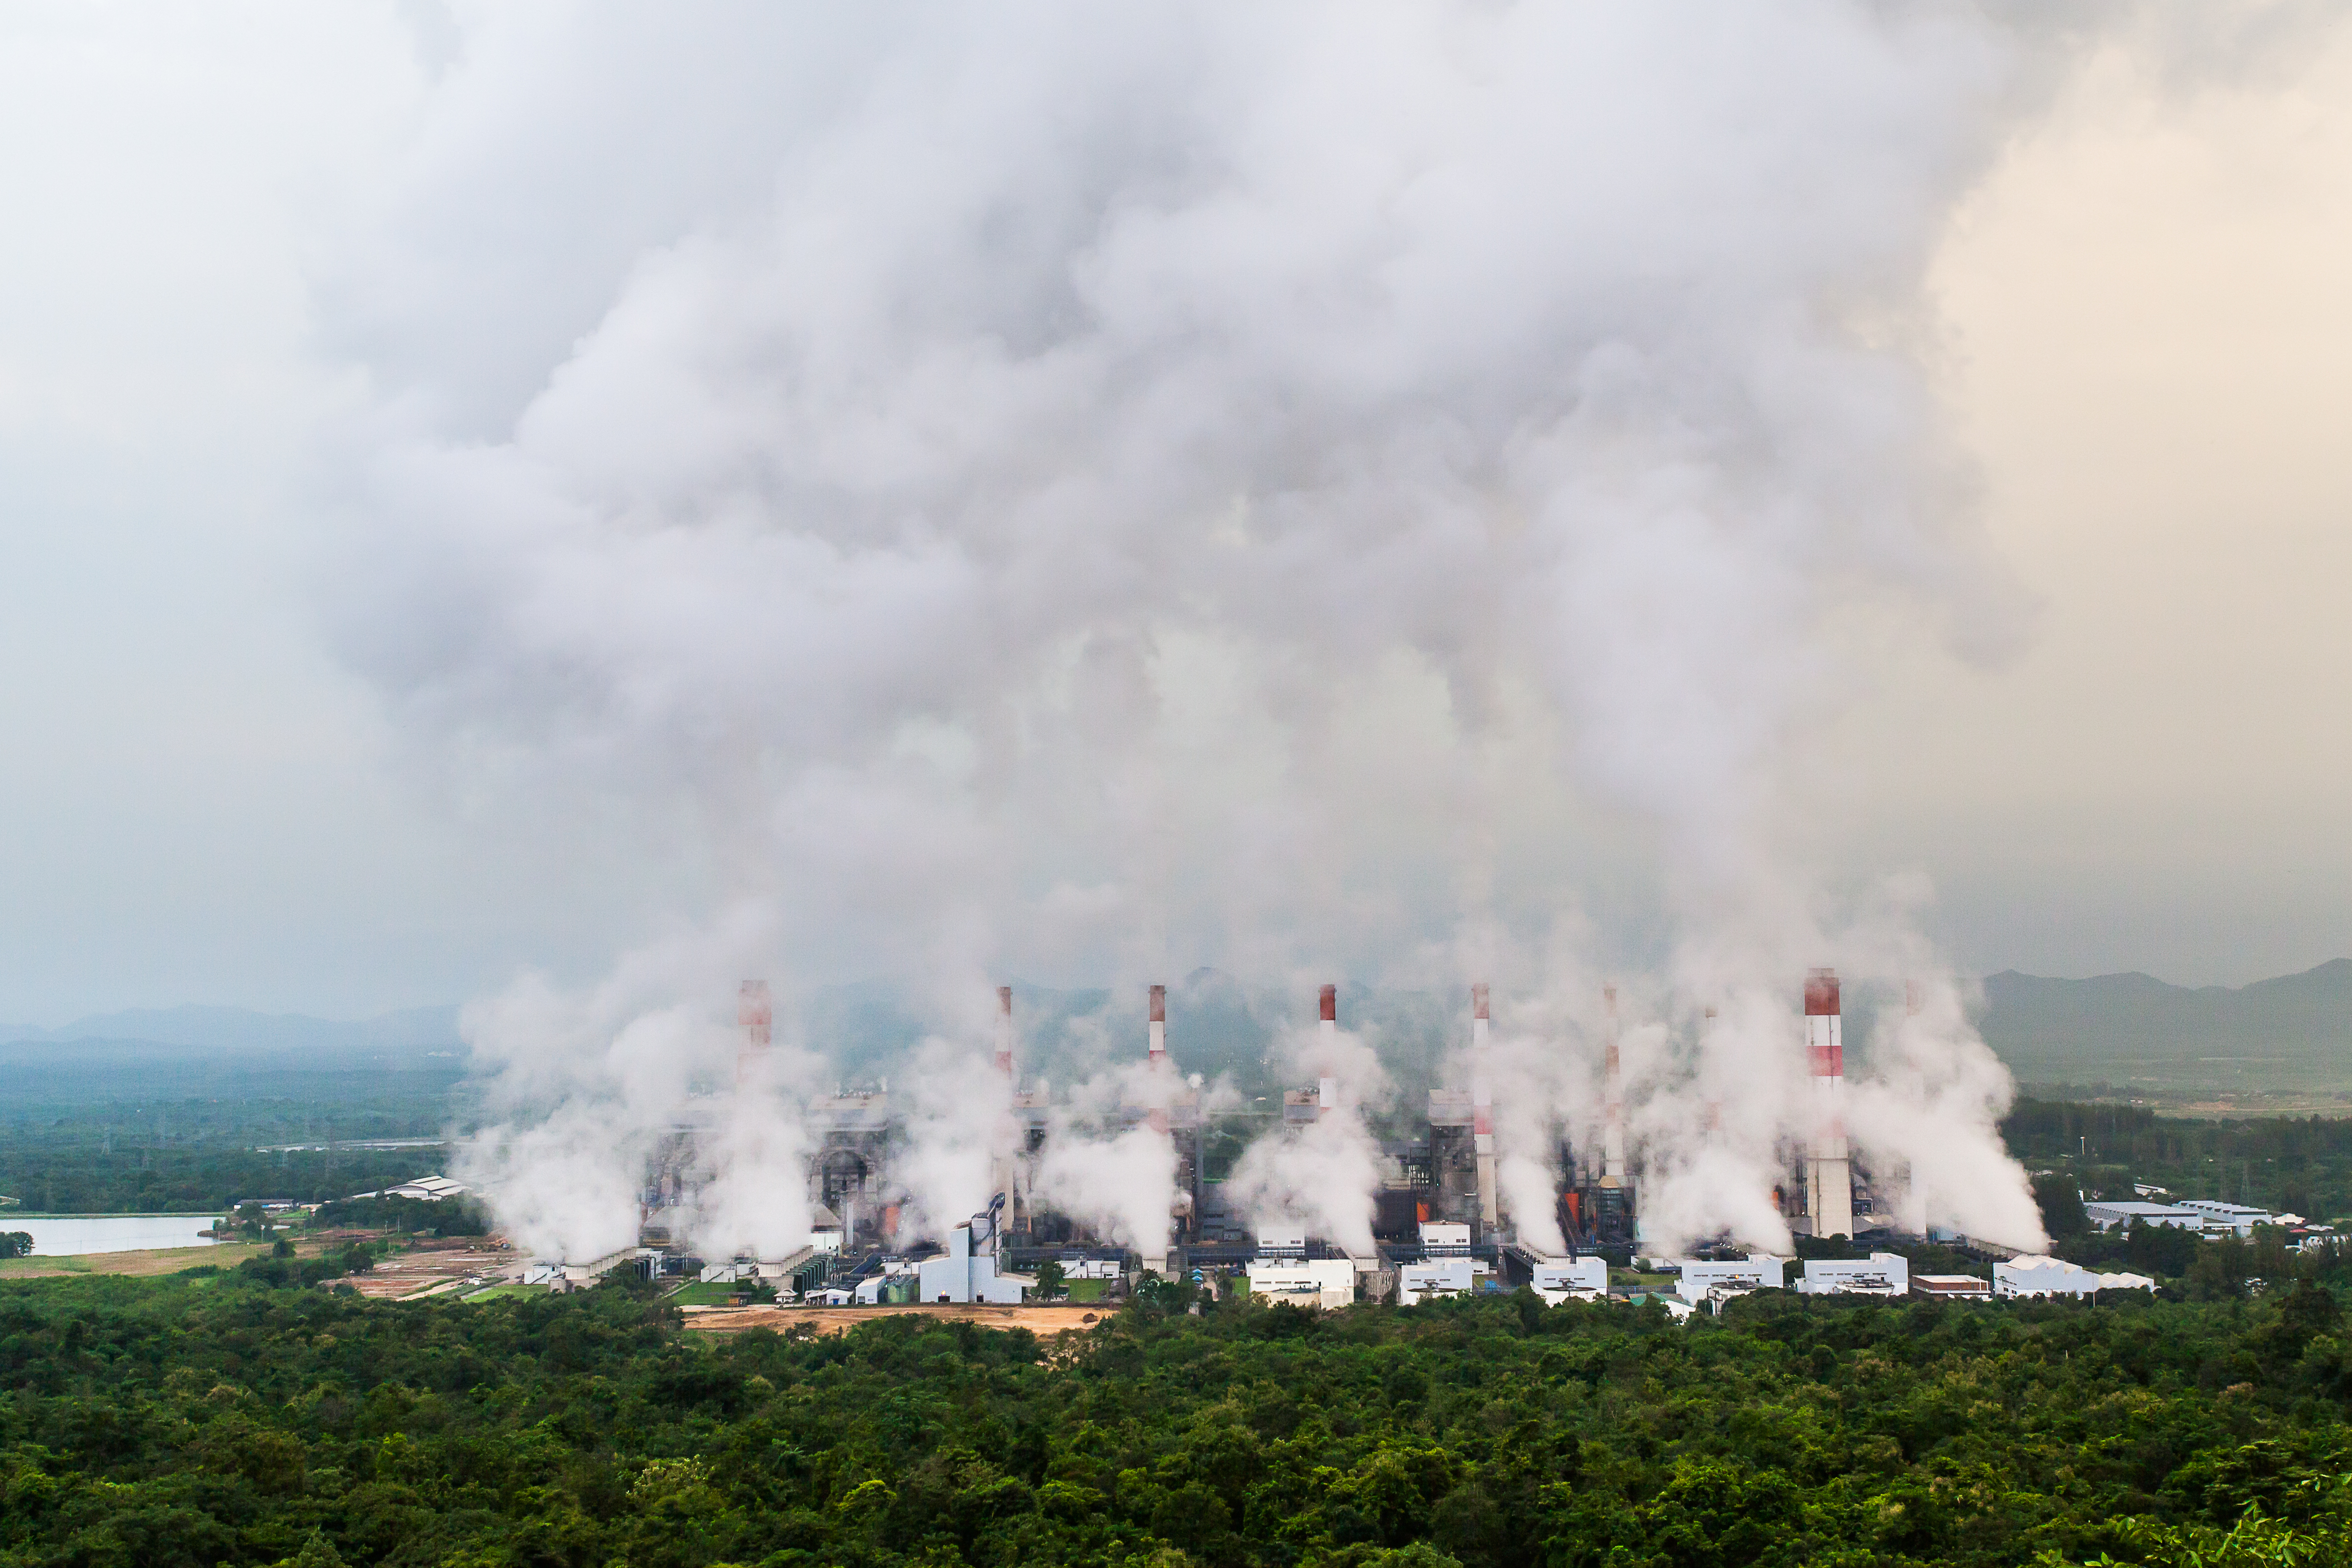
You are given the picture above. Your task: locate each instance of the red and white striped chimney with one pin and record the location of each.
(1482, 1107)
(1829, 1177)
(1612, 1100)
(756, 1016)
(1327, 1087)
(1160, 1085)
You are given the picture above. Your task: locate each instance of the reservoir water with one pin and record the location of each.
(110, 1232)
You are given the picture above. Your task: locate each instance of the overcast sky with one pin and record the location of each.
(213, 294)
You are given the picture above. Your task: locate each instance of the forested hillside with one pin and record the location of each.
(220, 1419)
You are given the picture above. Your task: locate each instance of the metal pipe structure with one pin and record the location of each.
(1482, 1108)
(1612, 1100)
(1828, 1176)
(756, 1015)
(1327, 1087)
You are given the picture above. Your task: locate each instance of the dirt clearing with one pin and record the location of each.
(1042, 1321)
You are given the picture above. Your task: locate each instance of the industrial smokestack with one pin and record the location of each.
(1005, 1031)
(1828, 1179)
(756, 1015)
(1707, 1053)
(1482, 1108)
(1612, 1100)
(1003, 1195)
(1327, 1087)
(1160, 1086)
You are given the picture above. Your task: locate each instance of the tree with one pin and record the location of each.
(2061, 1205)
(1050, 1278)
(15, 1243)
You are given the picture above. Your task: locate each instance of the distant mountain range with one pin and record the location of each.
(2294, 1032)
(2288, 1034)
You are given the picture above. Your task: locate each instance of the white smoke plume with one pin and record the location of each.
(1121, 1187)
(1081, 489)
(957, 1110)
(1320, 1174)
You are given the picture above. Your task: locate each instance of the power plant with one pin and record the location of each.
(1441, 1221)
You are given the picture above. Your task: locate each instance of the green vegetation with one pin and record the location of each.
(243, 1417)
(2299, 1164)
(197, 1155)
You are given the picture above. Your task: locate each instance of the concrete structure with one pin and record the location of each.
(1558, 1279)
(968, 1273)
(1702, 1276)
(1951, 1287)
(1439, 1239)
(2031, 1274)
(2107, 1213)
(564, 1272)
(1829, 1173)
(1282, 1240)
(1881, 1274)
(2226, 1216)
(1325, 1283)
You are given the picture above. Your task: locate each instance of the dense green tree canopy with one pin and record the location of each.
(225, 1418)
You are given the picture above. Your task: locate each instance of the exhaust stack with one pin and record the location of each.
(1707, 1055)
(1829, 1177)
(1612, 1100)
(756, 1016)
(1160, 1086)
(1482, 1108)
(1327, 1087)
(1003, 1195)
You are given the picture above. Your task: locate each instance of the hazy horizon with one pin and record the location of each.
(277, 273)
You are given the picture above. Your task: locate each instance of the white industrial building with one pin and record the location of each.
(2031, 1274)
(1327, 1282)
(964, 1275)
(1880, 1274)
(2227, 1216)
(1417, 1283)
(1558, 1279)
(2108, 1214)
(1951, 1287)
(1702, 1278)
(1446, 1268)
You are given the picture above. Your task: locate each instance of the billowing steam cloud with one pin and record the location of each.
(1319, 1176)
(1101, 489)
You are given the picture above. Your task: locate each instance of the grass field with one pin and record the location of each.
(702, 1294)
(495, 1291)
(153, 1260)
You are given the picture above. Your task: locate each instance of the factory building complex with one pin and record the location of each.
(1441, 1226)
